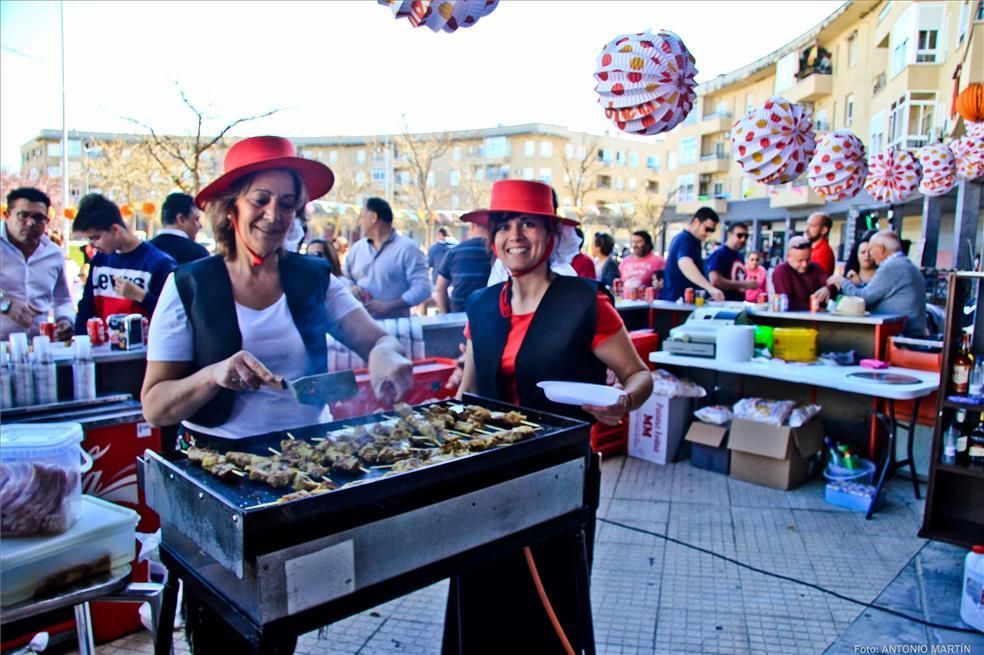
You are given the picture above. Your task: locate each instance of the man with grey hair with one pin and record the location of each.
(898, 286)
(798, 277)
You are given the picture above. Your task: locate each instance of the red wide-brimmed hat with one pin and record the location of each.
(263, 153)
(519, 197)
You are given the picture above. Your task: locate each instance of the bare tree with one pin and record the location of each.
(580, 173)
(474, 192)
(127, 173)
(421, 152)
(181, 157)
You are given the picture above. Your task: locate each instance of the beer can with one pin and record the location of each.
(617, 287)
(688, 295)
(650, 294)
(96, 330)
(48, 329)
(814, 304)
(763, 298)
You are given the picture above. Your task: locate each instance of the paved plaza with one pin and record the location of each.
(654, 596)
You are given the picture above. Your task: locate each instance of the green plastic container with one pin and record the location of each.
(763, 337)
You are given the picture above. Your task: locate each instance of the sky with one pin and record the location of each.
(346, 68)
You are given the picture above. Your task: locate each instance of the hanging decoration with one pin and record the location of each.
(646, 82)
(773, 143)
(939, 169)
(441, 15)
(893, 176)
(148, 208)
(70, 213)
(970, 105)
(969, 153)
(126, 210)
(838, 168)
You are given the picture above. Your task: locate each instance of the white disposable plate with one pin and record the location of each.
(580, 393)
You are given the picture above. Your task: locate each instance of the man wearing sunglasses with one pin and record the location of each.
(32, 269)
(726, 266)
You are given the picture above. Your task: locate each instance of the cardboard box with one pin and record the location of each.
(708, 447)
(773, 456)
(656, 429)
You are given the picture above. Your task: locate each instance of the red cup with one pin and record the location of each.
(96, 329)
(49, 329)
(650, 294)
(688, 295)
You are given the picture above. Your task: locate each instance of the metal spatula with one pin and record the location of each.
(320, 390)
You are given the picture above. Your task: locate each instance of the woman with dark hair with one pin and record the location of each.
(535, 326)
(860, 266)
(321, 248)
(607, 265)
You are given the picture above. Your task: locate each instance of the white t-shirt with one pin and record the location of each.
(271, 336)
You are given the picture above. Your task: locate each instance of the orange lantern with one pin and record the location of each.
(3, 208)
(126, 211)
(148, 209)
(970, 103)
(70, 213)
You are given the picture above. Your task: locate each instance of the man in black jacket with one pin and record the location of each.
(181, 220)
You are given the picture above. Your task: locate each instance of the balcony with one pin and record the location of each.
(720, 121)
(793, 195)
(689, 207)
(716, 162)
(811, 88)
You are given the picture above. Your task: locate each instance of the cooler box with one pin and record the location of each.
(656, 429)
(429, 377)
(795, 344)
(102, 540)
(709, 447)
(774, 456)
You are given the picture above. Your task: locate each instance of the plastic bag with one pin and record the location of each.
(773, 412)
(802, 414)
(716, 414)
(668, 385)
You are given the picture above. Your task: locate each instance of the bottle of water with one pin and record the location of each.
(45, 377)
(22, 378)
(977, 378)
(949, 455)
(83, 370)
(6, 387)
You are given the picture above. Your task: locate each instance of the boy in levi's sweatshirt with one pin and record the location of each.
(126, 275)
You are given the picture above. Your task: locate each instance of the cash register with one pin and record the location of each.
(697, 337)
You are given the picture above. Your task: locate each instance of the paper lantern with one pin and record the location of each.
(969, 153)
(148, 208)
(970, 103)
(838, 168)
(646, 82)
(773, 143)
(893, 176)
(70, 213)
(126, 211)
(438, 15)
(939, 169)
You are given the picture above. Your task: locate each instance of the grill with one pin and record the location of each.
(294, 566)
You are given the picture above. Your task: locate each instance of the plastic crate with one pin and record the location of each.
(429, 377)
(645, 342)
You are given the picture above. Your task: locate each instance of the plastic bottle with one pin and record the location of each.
(6, 388)
(972, 598)
(977, 378)
(949, 454)
(22, 379)
(45, 377)
(83, 370)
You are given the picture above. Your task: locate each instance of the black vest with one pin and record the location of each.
(206, 293)
(557, 346)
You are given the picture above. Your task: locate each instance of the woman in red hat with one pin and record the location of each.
(227, 329)
(535, 326)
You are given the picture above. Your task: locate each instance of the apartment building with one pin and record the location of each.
(882, 69)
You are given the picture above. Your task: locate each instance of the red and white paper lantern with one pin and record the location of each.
(939, 169)
(773, 143)
(969, 153)
(646, 82)
(838, 168)
(893, 176)
(438, 15)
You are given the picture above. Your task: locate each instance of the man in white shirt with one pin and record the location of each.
(32, 269)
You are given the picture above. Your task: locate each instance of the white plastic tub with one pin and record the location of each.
(102, 540)
(40, 478)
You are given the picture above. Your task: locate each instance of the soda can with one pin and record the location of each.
(783, 302)
(617, 286)
(96, 329)
(814, 304)
(763, 298)
(650, 294)
(688, 295)
(48, 329)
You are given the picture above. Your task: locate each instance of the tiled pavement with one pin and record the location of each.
(654, 596)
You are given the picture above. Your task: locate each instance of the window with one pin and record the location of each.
(686, 188)
(852, 48)
(962, 22)
(718, 189)
(54, 171)
(604, 182)
(619, 184)
(430, 178)
(75, 148)
(528, 173)
(581, 152)
(926, 48)
(899, 56)
(454, 178)
(691, 118)
(360, 177)
(722, 108)
(333, 156)
(652, 186)
(920, 127)
(379, 175)
(633, 159)
(652, 162)
(822, 123)
(569, 151)
(896, 121)
(403, 178)
(688, 150)
(671, 161)
(605, 155)
(546, 148)
(633, 184)
(529, 148)
(849, 110)
(620, 158)
(545, 176)
(54, 149)
(746, 186)
(749, 102)
(496, 146)
(979, 16)
(479, 174)
(360, 156)
(877, 129)
(457, 153)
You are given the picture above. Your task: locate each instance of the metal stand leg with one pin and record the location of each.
(83, 628)
(584, 596)
(165, 621)
(887, 465)
(908, 446)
